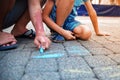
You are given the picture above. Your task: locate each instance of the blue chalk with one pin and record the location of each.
(41, 50)
(49, 56)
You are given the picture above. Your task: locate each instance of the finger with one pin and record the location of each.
(73, 37)
(48, 43)
(37, 43)
(43, 44)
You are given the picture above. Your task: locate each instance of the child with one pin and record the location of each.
(60, 15)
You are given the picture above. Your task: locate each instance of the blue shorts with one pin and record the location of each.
(17, 11)
(70, 23)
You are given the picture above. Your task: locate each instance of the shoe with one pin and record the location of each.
(57, 38)
(28, 34)
(3, 48)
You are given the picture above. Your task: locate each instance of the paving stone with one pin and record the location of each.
(16, 64)
(22, 50)
(56, 46)
(2, 54)
(117, 43)
(37, 53)
(100, 51)
(74, 67)
(82, 72)
(90, 44)
(15, 59)
(115, 57)
(82, 79)
(71, 43)
(41, 65)
(101, 60)
(114, 47)
(24, 40)
(113, 39)
(42, 76)
(12, 73)
(101, 39)
(30, 45)
(108, 72)
(77, 51)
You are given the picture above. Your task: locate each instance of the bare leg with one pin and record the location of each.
(83, 32)
(5, 9)
(5, 38)
(63, 11)
(20, 26)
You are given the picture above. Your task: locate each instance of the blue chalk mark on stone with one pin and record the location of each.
(41, 50)
(49, 56)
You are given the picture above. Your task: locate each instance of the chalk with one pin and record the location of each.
(48, 56)
(41, 50)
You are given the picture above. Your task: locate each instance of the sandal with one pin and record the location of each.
(57, 38)
(3, 48)
(28, 34)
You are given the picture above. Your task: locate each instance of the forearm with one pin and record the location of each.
(36, 17)
(94, 20)
(46, 12)
(53, 25)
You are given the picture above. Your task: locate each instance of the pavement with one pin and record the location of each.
(95, 59)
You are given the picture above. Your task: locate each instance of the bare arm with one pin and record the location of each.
(93, 17)
(46, 12)
(35, 14)
(36, 18)
(47, 19)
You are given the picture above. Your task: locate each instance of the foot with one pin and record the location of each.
(18, 31)
(23, 33)
(7, 39)
(57, 38)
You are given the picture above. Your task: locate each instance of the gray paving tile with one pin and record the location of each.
(49, 52)
(100, 51)
(74, 67)
(56, 46)
(82, 79)
(2, 54)
(15, 59)
(101, 39)
(108, 72)
(71, 43)
(12, 73)
(30, 45)
(114, 47)
(41, 65)
(90, 44)
(12, 60)
(42, 76)
(77, 51)
(101, 60)
(115, 57)
(82, 72)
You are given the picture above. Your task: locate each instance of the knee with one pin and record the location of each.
(84, 33)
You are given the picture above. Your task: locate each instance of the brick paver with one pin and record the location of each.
(95, 59)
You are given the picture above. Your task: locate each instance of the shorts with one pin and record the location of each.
(17, 11)
(70, 22)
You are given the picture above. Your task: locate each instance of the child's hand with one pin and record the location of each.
(102, 34)
(69, 35)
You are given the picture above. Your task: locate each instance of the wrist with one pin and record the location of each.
(40, 34)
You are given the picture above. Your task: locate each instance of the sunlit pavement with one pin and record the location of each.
(95, 59)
